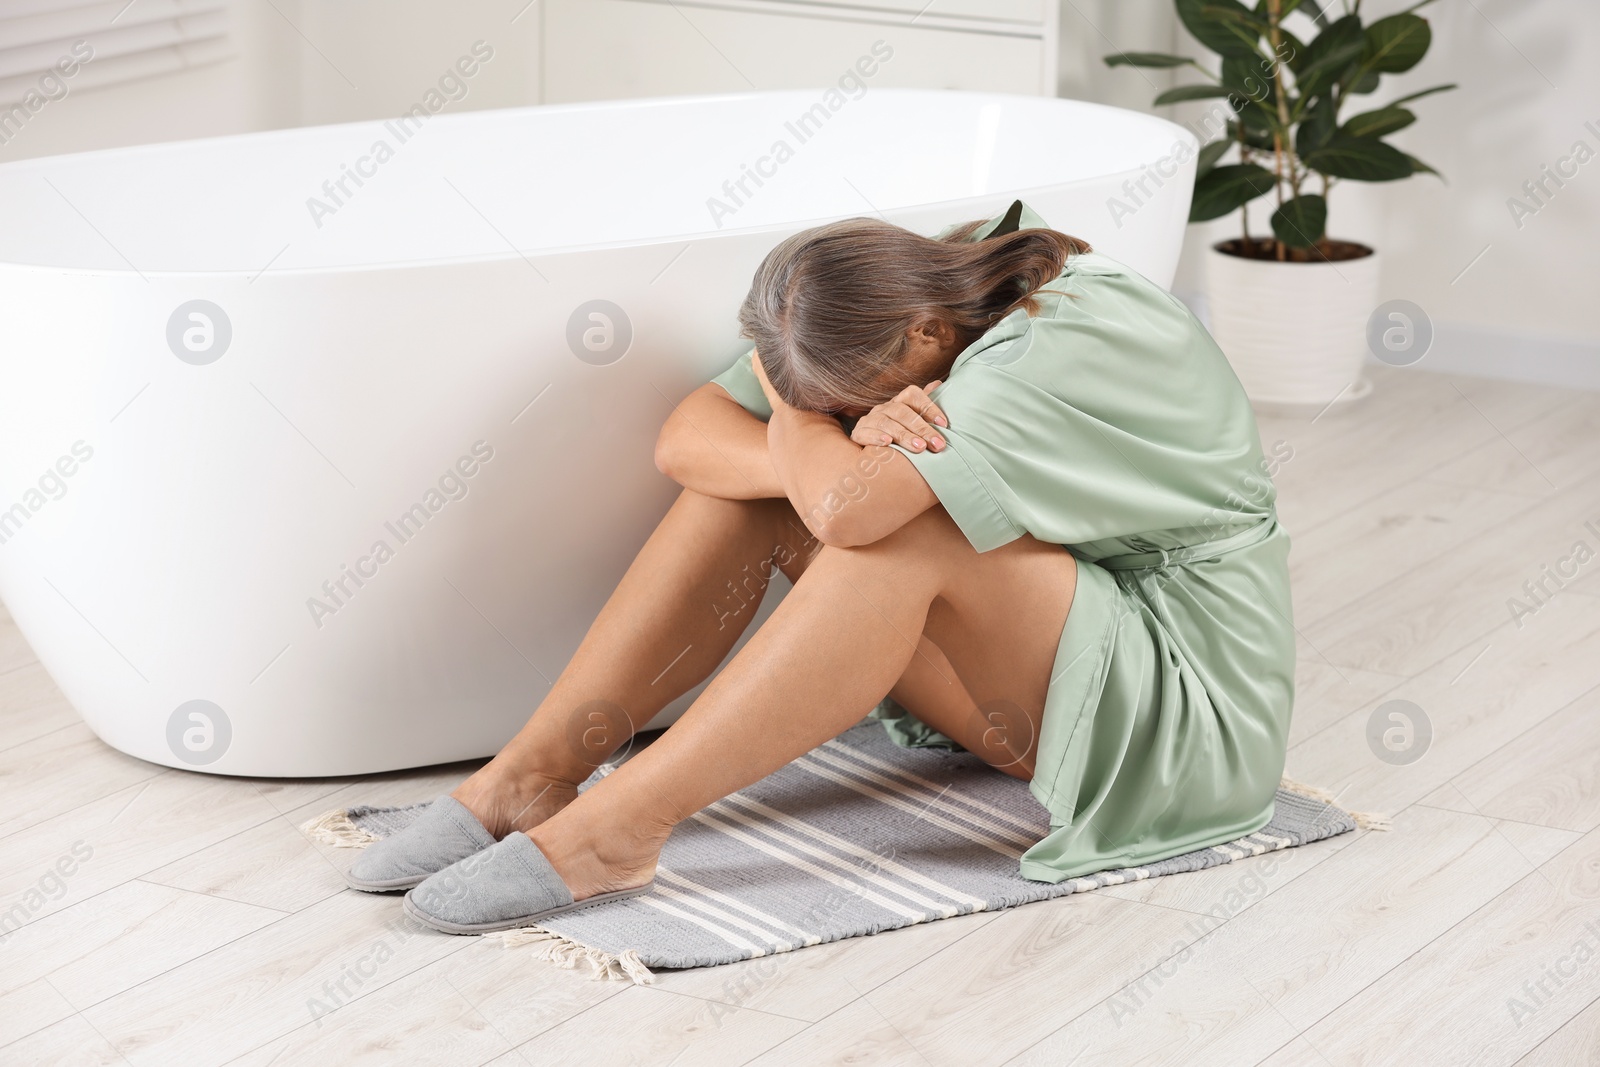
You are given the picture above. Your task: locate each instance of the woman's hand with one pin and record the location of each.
(909, 420)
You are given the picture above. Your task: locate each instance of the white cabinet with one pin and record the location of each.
(617, 49)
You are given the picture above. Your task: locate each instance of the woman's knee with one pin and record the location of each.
(930, 540)
(763, 513)
(920, 555)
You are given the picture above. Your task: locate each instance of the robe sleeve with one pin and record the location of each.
(740, 383)
(1058, 428)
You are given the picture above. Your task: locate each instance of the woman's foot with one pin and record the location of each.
(595, 851)
(445, 833)
(537, 774)
(505, 799)
(491, 804)
(508, 885)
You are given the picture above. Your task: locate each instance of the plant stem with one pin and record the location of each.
(1324, 242)
(1244, 209)
(1275, 39)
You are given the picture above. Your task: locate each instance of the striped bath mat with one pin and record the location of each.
(858, 836)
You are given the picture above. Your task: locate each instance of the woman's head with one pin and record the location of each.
(848, 314)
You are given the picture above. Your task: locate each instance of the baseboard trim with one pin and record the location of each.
(1483, 352)
(1486, 352)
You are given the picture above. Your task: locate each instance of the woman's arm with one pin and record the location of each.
(712, 445)
(845, 493)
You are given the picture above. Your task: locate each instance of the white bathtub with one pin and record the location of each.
(174, 505)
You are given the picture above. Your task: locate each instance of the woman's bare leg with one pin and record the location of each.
(930, 687)
(842, 638)
(680, 607)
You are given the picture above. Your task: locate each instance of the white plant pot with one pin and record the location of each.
(1294, 332)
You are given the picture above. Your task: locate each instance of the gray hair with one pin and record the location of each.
(830, 308)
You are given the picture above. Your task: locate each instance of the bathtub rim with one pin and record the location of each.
(1181, 136)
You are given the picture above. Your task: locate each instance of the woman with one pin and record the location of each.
(1017, 488)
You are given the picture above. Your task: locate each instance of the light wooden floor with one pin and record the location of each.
(202, 926)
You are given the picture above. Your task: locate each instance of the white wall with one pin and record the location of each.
(1537, 282)
(301, 62)
(1528, 85)
(377, 58)
(251, 91)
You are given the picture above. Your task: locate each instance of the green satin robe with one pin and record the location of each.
(1110, 423)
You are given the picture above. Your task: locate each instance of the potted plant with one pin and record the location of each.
(1290, 310)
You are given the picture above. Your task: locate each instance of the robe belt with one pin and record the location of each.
(1166, 557)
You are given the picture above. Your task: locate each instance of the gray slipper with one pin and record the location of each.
(443, 834)
(500, 888)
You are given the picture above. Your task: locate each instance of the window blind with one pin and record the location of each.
(129, 39)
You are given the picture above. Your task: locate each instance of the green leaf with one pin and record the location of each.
(1289, 6)
(1397, 43)
(1239, 17)
(1295, 46)
(1253, 94)
(1301, 222)
(1362, 159)
(1329, 55)
(1383, 121)
(1241, 77)
(1209, 154)
(1317, 77)
(1212, 31)
(1260, 139)
(1191, 92)
(1419, 167)
(1363, 84)
(1423, 93)
(1146, 59)
(1334, 36)
(1224, 189)
(1316, 126)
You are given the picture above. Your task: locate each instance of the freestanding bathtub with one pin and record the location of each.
(321, 448)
